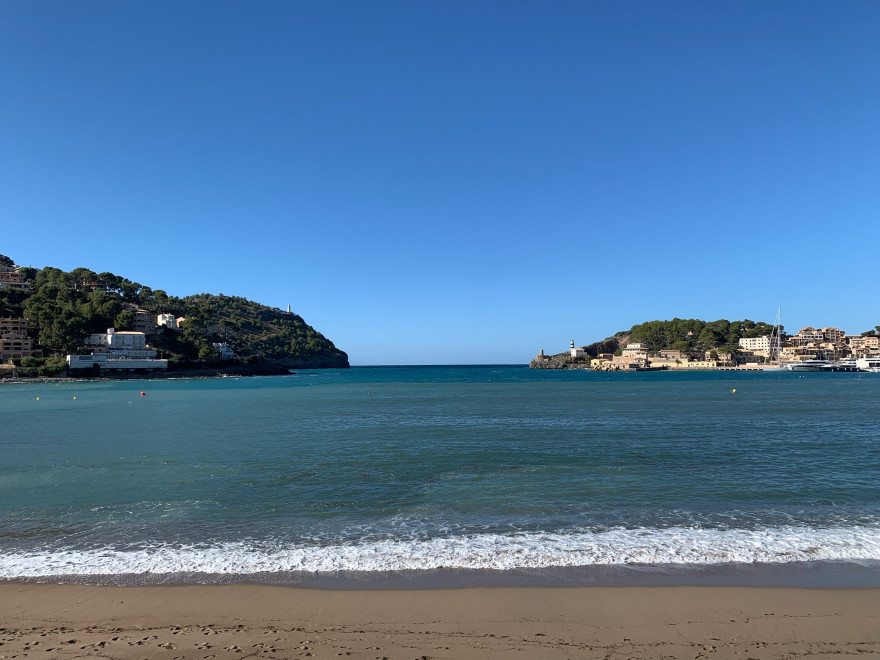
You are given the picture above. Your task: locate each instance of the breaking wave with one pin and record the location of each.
(657, 547)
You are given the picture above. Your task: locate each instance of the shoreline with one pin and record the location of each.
(233, 621)
(175, 375)
(833, 574)
(172, 375)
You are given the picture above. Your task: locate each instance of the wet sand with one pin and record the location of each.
(261, 621)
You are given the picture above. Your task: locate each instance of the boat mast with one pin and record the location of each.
(778, 336)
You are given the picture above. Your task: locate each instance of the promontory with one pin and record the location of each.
(81, 323)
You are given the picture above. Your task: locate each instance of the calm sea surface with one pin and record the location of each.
(399, 468)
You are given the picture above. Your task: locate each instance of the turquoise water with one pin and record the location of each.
(385, 469)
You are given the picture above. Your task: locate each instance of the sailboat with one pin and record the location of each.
(776, 344)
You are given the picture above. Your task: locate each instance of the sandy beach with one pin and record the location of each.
(249, 621)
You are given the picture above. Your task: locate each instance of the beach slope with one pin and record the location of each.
(238, 621)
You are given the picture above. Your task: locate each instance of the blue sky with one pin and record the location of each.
(454, 182)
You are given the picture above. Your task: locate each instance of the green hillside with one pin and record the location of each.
(690, 335)
(63, 308)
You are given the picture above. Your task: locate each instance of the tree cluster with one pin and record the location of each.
(249, 328)
(696, 336)
(65, 307)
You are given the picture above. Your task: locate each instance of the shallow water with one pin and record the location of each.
(426, 468)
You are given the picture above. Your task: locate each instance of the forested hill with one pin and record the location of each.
(63, 308)
(252, 329)
(692, 336)
(695, 335)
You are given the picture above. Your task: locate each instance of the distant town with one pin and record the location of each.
(810, 349)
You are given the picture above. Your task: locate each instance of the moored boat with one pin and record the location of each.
(776, 345)
(869, 363)
(809, 365)
(846, 364)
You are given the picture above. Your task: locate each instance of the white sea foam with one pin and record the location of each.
(488, 551)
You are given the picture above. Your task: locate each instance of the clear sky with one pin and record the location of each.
(433, 182)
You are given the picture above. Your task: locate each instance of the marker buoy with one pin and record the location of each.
(733, 391)
(143, 394)
(74, 398)
(38, 398)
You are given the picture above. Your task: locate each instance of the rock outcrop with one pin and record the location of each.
(559, 361)
(566, 361)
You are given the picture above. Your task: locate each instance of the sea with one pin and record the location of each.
(444, 476)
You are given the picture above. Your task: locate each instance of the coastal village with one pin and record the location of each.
(58, 337)
(810, 349)
(110, 351)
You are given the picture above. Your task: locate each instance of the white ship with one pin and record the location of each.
(809, 365)
(870, 363)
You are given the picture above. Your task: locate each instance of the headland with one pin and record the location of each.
(99, 325)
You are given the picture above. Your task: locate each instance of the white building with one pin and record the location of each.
(635, 351)
(756, 344)
(117, 350)
(114, 361)
(166, 321)
(226, 353)
(123, 340)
